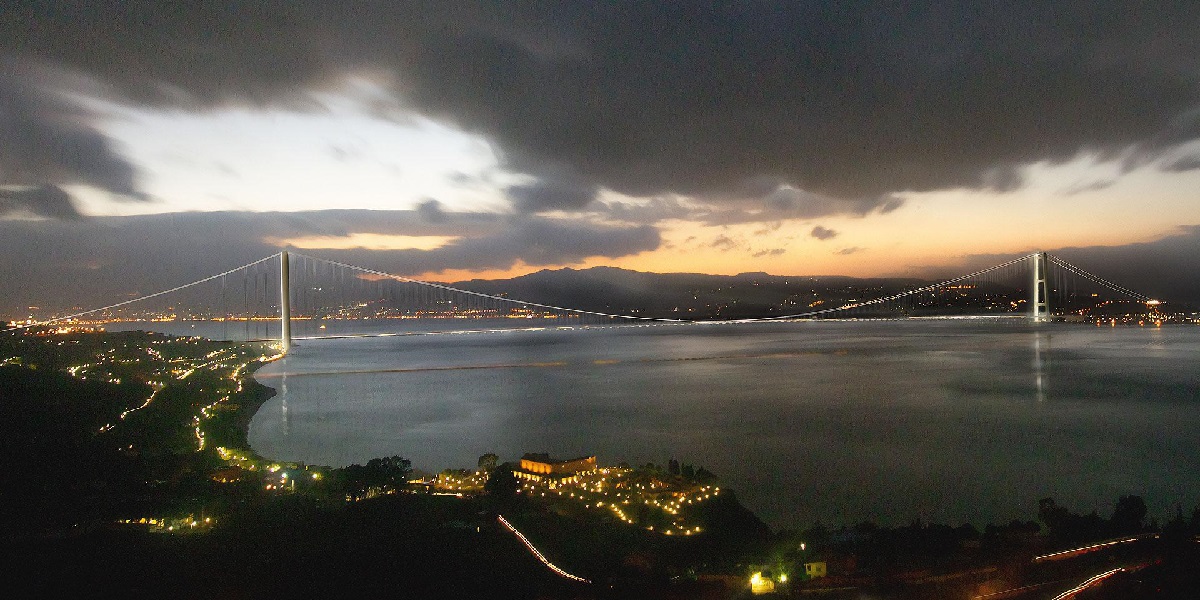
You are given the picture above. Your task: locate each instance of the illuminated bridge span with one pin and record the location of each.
(1042, 290)
(268, 298)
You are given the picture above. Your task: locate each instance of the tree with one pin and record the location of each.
(1128, 516)
(1068, 527)
(673, 466)
(381, 473)
(1051, 514)
(389, 472)
(488, 462)
(501, 483)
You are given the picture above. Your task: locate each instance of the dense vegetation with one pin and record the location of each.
(80, 474)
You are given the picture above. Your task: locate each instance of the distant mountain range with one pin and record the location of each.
(686, 295)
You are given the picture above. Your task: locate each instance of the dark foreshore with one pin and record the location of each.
(146, 499)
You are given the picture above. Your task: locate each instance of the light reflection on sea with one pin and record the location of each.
(837, 422)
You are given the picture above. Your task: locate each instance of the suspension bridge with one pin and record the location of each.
(268, 298)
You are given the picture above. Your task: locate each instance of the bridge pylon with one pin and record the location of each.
(1040, 300)
(285, 303)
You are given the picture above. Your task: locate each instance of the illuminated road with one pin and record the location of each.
(1091, 581)
(1073, 552)
(1066, 585)
(537, 553)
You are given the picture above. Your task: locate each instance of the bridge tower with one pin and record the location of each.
(1040, 297)
(285, 302)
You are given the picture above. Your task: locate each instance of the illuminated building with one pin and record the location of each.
(815, 569)
(540, 467)
(760, 584)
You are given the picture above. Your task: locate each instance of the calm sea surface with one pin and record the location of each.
(949, 421)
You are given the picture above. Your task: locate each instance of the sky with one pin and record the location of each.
(143, 144)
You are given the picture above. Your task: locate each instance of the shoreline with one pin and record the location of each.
(247, 410)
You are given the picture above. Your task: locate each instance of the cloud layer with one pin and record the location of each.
(715, 114)
(94, 262)
(46, 142)
(847, 101)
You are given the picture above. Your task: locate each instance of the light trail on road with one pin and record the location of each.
(537, 553)
(1061, 554)
(1093, 580)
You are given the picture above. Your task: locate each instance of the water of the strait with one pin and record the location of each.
(949, 421)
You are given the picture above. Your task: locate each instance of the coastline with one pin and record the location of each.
(258, 395)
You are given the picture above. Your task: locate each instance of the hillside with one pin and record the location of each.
(685, 295)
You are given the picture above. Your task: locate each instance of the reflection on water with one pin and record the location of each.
(1038, 364)
(283, 401)
(820, 421)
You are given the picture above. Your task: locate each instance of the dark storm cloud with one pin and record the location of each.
(890, 204)
(1090, 186)
(94, 262)
(847, 101)
(652, 211)
(529, 240)
(787, 201)
(1187, 163)
(837, 100)
(190, 54)
(769, 210)
(44, 201)
(553, 191)
(431, 211)
(823, 233)
(46, 141)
